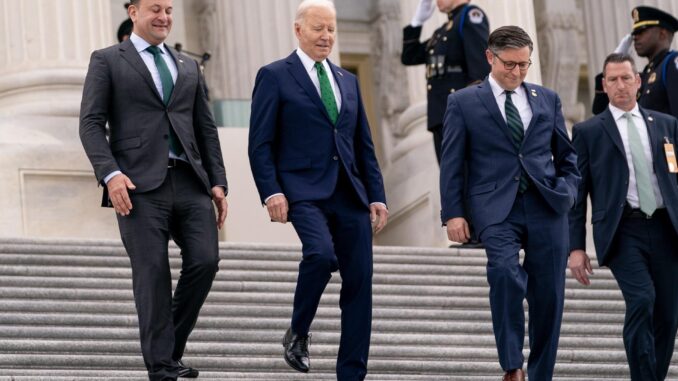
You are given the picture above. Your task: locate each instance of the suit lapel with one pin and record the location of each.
(655, 140)
(298, 71)
(490, 102)
(534, 100)
(339, 79)
(181, 72)
(130, 54)
(610, 127)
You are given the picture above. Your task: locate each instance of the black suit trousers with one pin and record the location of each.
(181, 209)
(644, 261)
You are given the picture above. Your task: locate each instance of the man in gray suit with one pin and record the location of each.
(161, 168)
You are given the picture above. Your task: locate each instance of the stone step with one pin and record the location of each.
(67, 313)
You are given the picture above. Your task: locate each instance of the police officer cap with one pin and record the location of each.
(645, 17)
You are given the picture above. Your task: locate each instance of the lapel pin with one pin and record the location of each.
(181, 61)
(533, 92)
(340, 74)
(650, 118)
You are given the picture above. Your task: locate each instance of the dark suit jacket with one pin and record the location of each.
(119, 90)
(293, 146)
(605, 176)
(475, 130)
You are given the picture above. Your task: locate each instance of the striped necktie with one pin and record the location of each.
(515, 126)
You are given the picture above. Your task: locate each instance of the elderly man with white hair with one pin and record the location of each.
(313, 161)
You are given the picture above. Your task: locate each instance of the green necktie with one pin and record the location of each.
(167, 87)
(326, 93)
(515, 125)
(646, 198)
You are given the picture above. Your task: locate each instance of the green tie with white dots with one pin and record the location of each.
(326, 93)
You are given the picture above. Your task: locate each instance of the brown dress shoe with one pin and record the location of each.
(514, 375)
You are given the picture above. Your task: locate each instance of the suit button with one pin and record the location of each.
(428, 87)
(165, 136)
(520, 155)
(335, 131)
(517, 178)
(621, 205)
(335, 157)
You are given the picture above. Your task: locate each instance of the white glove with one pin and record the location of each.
(424, 12)
(624, 45)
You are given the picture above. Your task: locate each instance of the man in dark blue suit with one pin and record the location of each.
(522, 182)
(628, 167)
(313, 161)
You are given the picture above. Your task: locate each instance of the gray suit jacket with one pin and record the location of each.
(119, 90)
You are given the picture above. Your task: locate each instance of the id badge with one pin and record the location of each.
(670, 156)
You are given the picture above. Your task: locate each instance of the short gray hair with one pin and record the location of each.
(307, 4)
(509, 37)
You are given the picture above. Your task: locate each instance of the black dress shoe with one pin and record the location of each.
(471, 244)
(296, 351)
(186, 371)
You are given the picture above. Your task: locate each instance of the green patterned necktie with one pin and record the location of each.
(167, 87)
(646, 198)
(515, 125)
(326, 93)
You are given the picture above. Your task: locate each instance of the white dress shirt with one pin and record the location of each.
(622, 126)
(519, 99)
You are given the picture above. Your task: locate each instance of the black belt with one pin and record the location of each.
(173, 163)
(631, 212)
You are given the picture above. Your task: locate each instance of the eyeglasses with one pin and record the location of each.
(510, 65)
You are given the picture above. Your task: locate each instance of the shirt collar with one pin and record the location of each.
(498, 90)
(618, 113)
(307, 61)
(140, 44)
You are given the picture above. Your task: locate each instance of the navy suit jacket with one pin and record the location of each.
(474, 130)
(295, 149)
(605, 176)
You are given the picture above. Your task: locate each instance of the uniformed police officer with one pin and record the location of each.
(652, 32)
(454, 55)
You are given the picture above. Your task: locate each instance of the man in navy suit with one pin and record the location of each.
(313, 161)
(627, 162)
(522, 182)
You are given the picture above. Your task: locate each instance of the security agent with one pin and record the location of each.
(454, 55)
(652, 35)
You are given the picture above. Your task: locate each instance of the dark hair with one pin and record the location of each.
(619, 58)
(509, 37)
(134, 2)
(125, 29)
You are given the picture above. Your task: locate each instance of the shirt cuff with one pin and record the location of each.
(273, 195)
(379, 203)
(110, 176)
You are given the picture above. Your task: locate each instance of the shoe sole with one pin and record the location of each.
(294, 367)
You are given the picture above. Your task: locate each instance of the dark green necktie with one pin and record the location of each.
(326, 93)
(515, 125)
(167, 87)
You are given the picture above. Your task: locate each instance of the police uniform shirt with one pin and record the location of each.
(454, 56)
(659, 87)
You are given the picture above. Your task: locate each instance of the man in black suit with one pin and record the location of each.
(628, 165)
(162, 167)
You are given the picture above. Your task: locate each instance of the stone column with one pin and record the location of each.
(558, 27)
(46, 49)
